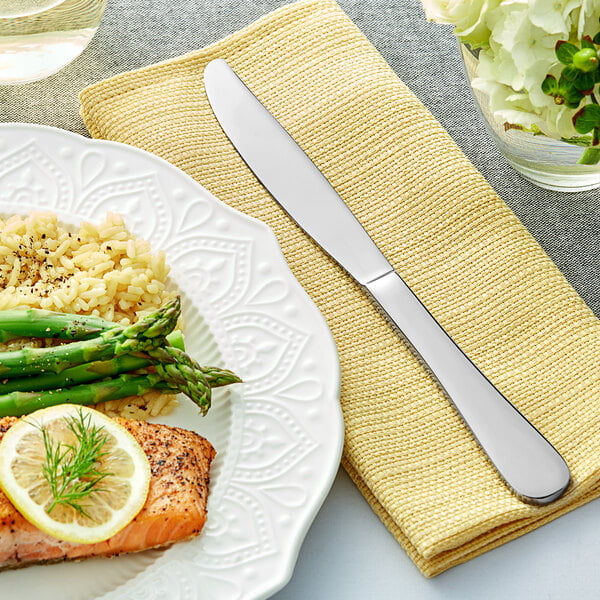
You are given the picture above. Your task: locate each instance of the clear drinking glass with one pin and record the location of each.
(39, 37)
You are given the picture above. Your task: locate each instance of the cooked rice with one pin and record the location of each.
(92, 270)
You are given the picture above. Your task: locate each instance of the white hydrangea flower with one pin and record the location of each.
(452, 11)
(553, 17)
(588, 22)
(468, 17)
(520, 55)
(517, 40)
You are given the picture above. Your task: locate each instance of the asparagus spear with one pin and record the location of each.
(217, 377)
(141, 336)
(17, 404)
(33, 322)
(181, 372)
(86, 372)
(61, 367)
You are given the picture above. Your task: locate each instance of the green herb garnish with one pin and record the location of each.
(72, 470)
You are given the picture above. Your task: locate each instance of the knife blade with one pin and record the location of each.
(529, 465)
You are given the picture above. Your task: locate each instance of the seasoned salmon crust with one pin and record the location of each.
(175, 508)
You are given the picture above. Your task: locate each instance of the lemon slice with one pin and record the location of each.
(113, 499)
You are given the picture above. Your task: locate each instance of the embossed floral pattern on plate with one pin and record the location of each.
(278, 436)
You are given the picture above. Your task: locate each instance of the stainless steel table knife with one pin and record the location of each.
(526, 461)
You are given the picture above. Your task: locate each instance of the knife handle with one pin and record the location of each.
(526, 461)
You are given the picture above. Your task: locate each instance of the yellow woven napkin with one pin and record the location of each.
(444, 229)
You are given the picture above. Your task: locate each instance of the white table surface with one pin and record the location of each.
(348, 554)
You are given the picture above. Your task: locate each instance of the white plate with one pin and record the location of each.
(278, 437)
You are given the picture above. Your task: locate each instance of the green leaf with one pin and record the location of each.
(587, 119)
(550, 85)
(582, 141)
(584, 82)
(568, 86)
(571, 95)
(569, 73)
(590, 156)
(586, 42)
(597, 38)
(572, 103)
(565, 51)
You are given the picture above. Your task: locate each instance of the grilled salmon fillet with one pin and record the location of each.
(175, 508)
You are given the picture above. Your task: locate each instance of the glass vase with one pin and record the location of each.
(546, 162)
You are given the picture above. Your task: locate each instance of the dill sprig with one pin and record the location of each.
(72, 470)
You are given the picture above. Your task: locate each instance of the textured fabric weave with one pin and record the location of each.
(447, 233)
